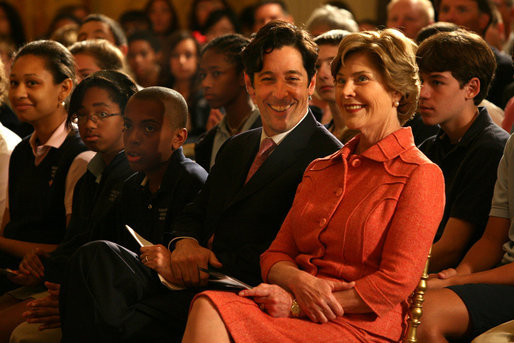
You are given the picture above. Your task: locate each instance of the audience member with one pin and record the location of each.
(246, 20)
(200, 11)
(495, 36)
(410, 15)
(144, 54)
(8, 140)
(496, 113)
(94, 55)
(7, 117)
(352, 248)
(220, 23)
(476, 15)
(326, 18)
(463, 302)
(155, 120)
(163, 17)
(456, 69)
(182, 60)
(229, 209)
(61, 20)
(506, 8)
(133, 21)
(45, 166)
(66, 35)
(328, 43)
(99, 26)
(11, 26)
(96, 105)
(223, 84)
(79, 11)
(268, 10)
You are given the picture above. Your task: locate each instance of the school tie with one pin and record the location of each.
(267, 147)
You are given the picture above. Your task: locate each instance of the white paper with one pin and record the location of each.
(144, 243)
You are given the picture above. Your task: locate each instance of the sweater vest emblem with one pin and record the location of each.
(53, 172)
(162, 213)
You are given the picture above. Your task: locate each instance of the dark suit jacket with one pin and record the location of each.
(203, 148)
(245, 218)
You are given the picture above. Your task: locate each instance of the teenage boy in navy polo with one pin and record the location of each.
(456, 69)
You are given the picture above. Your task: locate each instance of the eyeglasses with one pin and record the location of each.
(95, 117)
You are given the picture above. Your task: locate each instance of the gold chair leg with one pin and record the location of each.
(416, 307)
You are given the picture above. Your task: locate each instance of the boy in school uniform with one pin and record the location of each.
(155, 120)
(165, 181)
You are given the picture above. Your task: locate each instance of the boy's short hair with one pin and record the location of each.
(116, 30)
(275, 35)
(465, 54)
(175, 107)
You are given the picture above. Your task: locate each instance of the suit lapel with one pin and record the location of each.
(284, 155)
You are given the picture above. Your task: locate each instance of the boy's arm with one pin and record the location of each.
(450, 248)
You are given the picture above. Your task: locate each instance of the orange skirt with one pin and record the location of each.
(247, 323)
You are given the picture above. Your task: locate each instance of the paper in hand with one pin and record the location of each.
(144, 243)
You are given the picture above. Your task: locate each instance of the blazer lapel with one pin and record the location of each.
(284, 155)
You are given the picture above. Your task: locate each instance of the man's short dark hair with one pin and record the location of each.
(116, 30)
(275, 35)
(465, 54)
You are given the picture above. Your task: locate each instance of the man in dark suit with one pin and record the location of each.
(237, 213)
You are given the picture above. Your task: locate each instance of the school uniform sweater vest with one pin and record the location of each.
(36, 193)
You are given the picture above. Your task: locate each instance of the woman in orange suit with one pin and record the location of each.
(354, 244)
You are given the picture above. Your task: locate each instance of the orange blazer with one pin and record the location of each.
(368, 218)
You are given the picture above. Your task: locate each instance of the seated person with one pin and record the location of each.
(96, 106)
(354, 244)
(478, 294)
(325, 86)
(238, 212)
(95, 55)
(46, 165)
(222, 80)
(181, 57)
(456, 69)
(99, 26)
(144, 54)
(155, 120)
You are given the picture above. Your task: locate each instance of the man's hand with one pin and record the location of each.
(273, 299)
(45, 310)
(187, 257)
(315, 296)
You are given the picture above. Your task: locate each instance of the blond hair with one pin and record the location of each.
(395, 55)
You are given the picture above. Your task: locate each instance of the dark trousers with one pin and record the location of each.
(108, 295)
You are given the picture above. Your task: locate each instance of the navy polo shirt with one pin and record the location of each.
(469, 169)
(151, 214)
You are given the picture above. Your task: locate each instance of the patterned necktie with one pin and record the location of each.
(267, 147)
